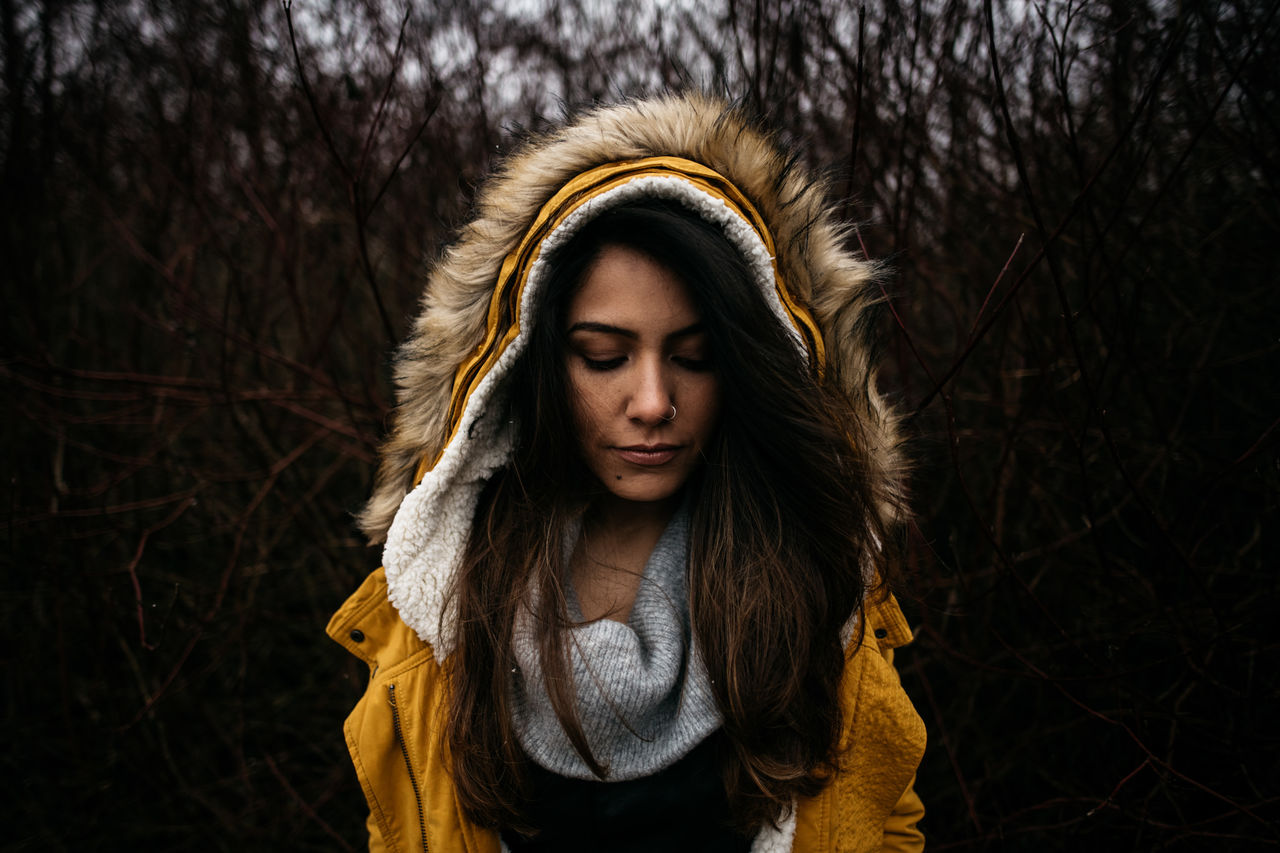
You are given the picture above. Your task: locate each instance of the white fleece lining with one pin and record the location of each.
(429, 534)
(777, 839)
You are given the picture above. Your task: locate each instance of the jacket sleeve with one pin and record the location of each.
(376, 844)
(901, 834)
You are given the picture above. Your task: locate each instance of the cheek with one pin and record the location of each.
(588, 402)
(709, 411)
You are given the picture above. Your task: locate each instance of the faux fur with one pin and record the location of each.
(837, 286)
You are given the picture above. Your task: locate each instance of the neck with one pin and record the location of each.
(609, 560)
(620, 520)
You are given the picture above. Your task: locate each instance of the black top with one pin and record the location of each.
(683, 807)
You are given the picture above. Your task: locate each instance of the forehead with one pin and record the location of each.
(628, 288)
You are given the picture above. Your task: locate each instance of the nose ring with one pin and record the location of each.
(671, 417)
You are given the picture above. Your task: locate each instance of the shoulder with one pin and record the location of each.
(368, 626)
(887, 627)
(871, 691)
(883, 728)
(880, 748)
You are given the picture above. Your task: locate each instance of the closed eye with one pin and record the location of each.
(603, 365)
(698, 365)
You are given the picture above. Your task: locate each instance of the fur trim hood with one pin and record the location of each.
(693, 149)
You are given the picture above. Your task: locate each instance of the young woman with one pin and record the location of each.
(636, 510)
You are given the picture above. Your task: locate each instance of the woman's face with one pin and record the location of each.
(637, 349)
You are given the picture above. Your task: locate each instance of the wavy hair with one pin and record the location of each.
(786, 541)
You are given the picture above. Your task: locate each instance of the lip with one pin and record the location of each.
(648, 455)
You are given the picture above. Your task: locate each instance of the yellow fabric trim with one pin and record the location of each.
(503, 321)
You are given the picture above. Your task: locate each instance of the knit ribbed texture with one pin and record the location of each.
(643, 694)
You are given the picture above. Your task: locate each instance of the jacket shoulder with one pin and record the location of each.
(887, 624)
(368, 626)
(870, 801)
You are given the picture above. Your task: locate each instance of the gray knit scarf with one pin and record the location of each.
(643, 694)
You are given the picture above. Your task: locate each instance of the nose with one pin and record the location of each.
(652, 395)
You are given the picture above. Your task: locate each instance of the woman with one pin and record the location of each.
(634, 510)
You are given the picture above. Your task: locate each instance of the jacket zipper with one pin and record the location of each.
(404, 750)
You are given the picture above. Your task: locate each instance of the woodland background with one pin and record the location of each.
(211, 246)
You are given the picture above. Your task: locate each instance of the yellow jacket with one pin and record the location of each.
(394, 736)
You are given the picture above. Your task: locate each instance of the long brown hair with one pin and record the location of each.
(785, 538)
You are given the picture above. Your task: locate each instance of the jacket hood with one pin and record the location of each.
(481, 298)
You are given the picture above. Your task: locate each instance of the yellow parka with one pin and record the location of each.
(480, 301)
(395, 741)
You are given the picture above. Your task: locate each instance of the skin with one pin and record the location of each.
(636, 348)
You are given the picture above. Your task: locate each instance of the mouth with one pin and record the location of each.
(648, 454)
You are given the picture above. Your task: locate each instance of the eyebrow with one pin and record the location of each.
(606, 329)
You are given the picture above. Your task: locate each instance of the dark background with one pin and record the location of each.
(210, 248)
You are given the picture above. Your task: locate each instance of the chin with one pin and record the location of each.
(633, 487)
